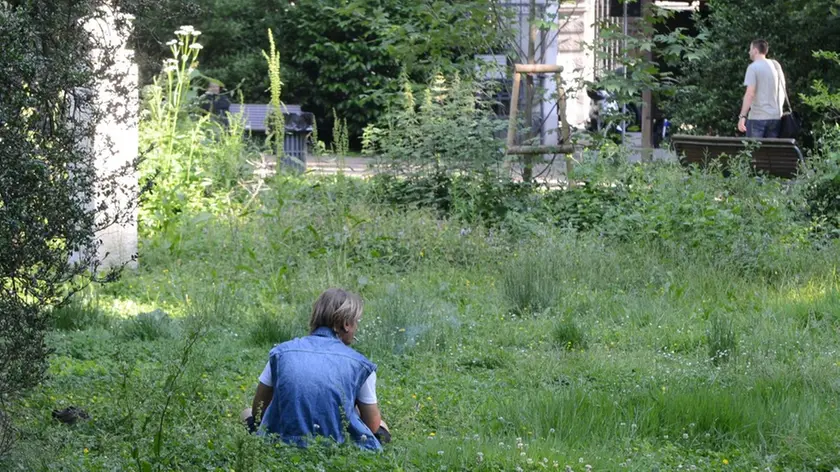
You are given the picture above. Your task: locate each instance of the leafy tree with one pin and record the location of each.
(336, 54)
(46, 178)
(712, 85)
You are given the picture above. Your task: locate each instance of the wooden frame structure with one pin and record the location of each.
(565, 146)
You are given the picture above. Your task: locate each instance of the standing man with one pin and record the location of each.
(764, 97)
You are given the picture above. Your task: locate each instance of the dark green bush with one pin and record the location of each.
(822, 187)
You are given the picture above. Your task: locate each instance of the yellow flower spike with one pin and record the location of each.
(725, 461)
(85, 450)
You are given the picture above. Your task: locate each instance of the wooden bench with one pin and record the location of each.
(778, 157)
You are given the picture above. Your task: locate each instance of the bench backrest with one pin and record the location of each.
(779, 157)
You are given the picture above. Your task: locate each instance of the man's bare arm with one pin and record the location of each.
(370, 415)
(749, 95)
(261, 400)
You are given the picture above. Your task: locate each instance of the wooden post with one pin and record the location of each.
(530, 91)
(647, 103)
(565, 130)
(514, 107)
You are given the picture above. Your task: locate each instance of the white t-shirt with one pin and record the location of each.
(366, 395)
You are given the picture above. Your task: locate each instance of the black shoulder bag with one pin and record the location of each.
(791, 122)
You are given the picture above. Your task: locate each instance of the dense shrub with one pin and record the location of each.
(821, 190)
(47, 179)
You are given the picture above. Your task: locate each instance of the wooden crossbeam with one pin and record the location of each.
(529, 150)
(538, 69)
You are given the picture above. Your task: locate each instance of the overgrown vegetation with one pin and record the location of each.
(650, 317)
(644, 353)
(191, 157)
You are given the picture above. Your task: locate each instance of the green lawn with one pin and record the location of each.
(496, 351)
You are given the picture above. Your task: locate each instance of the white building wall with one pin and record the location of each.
(116, 138)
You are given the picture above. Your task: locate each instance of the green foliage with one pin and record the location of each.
(148, 326)
(789, 27)
(451, 129)
(825, 100)
(821, 191)
(736, 218)
(48, 180)
(822, 187)
(276, 122)
(338, 54)
(194, 162)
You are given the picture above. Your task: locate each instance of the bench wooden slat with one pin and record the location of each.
(775, 156)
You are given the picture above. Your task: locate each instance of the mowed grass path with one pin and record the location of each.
(495, 352)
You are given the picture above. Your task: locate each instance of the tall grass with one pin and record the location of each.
(532, 280)
(400, 321)
(270, 328)
(623, 360)
(760, 411)
(78, 315)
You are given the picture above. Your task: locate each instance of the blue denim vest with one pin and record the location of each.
(316, 380)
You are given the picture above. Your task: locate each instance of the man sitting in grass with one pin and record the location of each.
(318, 385)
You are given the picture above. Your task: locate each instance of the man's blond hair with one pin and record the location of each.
(334, 308)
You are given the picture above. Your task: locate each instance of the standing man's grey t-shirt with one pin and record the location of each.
(769, 83)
